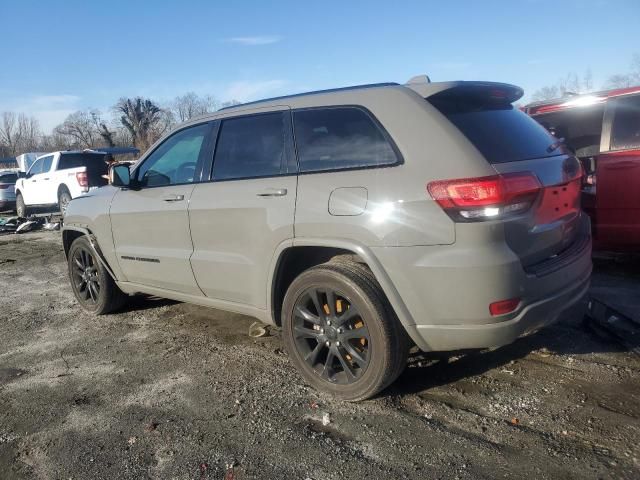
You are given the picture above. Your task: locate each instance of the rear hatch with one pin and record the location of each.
(95, 163)
(7, 185)
(536, 190)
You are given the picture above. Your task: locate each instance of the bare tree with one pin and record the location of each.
(19, 133)
(569, 84)
(623, 80)
(9, 135)
(81, 127)
(191, 105)
(143, 119)
(30, 133)
(230, 103)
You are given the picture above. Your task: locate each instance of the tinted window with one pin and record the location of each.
(175, 160)
(625, 133)
(501, 132)
(332, 138)
(75, 160)
(46, 163)
(10, 178)
(250, 147)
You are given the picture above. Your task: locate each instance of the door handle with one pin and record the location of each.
(33, 181)
(47, 178)
(273, 192)
(173, 198)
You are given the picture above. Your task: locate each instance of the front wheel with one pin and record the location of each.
(21, 207)
(92, 285)
(341, 333)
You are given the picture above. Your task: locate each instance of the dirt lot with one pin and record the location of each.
(167, 390)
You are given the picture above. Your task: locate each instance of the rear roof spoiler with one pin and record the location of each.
(501, 91)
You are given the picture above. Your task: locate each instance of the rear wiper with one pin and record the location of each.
(555, 145)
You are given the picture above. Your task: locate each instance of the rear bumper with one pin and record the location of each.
(7, 204)
(447, 291)
(530, 319)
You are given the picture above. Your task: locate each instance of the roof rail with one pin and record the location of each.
(316, 92)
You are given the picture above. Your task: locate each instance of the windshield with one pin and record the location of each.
(500, 131)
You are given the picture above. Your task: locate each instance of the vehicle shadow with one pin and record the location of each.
(145, 302)
(569, 336)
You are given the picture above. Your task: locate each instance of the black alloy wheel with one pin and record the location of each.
(331, 335)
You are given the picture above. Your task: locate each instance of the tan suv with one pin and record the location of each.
(360, 220)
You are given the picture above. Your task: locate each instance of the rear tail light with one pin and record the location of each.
(83, 181)
(4, 186)
(504, 306)
(486, 198)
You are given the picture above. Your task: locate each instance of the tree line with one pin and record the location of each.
(573, 83)
(141, 121)
(134, 121)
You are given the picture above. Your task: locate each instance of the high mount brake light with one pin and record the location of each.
(486, 198)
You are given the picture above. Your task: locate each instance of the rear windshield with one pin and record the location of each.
(500, 131)
(75, 160)
(9, 178)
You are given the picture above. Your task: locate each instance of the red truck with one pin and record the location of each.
(603, 129)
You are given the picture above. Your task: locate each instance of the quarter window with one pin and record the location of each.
(249, 147)
(625, 133)
(343, 137)
(175, 160)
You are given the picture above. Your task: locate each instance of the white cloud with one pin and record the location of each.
(244, 91)
(50, 110)
(255, 40)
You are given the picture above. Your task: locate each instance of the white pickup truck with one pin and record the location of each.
(58, 177)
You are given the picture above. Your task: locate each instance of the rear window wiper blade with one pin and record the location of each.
(555, 145)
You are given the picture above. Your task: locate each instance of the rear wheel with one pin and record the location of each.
(92, 285)
(64, 197)
(21, 208)
(340, 332)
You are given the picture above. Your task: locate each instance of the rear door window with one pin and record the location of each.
(500, 131)
(340, 137)
(250, 147)
(625, 132)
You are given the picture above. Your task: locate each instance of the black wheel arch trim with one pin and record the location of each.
(95, 247)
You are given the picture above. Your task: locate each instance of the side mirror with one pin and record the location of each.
(120, 176)
(22, 174)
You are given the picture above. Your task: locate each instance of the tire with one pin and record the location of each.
(351, 366)
(21, 207)
(64, 197)
(85, 271)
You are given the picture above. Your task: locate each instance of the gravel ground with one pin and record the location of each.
(168, 390)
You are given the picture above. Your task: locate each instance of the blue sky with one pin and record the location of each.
(61, 56)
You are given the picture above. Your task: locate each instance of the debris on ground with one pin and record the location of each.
(258, 329)
(183, 366)
(614, 314)
(326, 419)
